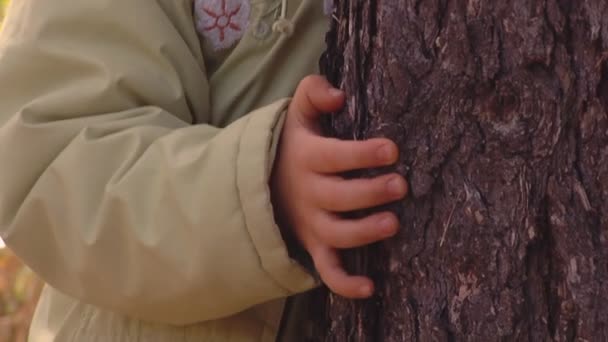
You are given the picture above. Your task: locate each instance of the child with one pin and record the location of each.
(146, 146)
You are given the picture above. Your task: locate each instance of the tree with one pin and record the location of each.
(500, 108)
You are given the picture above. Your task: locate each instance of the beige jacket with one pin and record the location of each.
(135, 163)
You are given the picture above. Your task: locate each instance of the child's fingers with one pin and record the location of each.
(313, 97)
(343, 233)
(328, 155)
(327, 263)
(342, 195)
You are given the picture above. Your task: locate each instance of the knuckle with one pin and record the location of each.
(366, 192)
(333, 153)
(339, 151)
(358, 149)
(327, 159)
(378, 185)
(333, 236)
(364, 154)
(358, 235)
(331, 194)
(369, 231)
(322, 194)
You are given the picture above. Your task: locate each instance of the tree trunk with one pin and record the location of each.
(500, 110)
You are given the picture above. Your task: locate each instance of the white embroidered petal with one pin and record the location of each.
(222, 22)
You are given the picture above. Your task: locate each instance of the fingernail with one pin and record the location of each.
(387, 226)
(335, 92)
(395, 187)
(386, 153)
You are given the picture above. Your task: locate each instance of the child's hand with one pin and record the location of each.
(309, 195)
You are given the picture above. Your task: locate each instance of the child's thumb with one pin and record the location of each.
(314, 96)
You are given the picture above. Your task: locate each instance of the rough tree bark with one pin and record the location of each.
(500, 109)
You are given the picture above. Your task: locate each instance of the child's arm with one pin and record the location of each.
(107, 191)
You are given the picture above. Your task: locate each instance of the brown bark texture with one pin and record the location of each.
(500, 110)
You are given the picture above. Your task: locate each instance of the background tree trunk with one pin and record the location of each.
(500, 109)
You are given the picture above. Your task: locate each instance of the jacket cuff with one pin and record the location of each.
(257, 149)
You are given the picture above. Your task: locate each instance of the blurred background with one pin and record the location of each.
(19, 288)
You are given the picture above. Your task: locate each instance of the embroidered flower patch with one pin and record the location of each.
(222, 22)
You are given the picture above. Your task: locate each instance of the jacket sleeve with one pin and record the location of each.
(107, 191)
